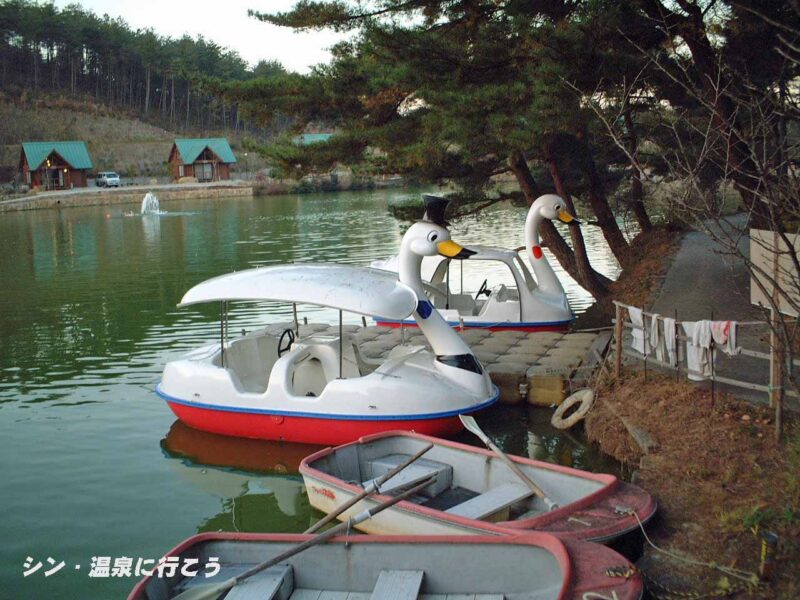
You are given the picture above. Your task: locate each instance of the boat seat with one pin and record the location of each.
(492, 501)
(243, 358)
(325, 348)
(415, 473)
(397, 585)
(276, 583)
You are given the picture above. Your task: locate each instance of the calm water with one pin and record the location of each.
(92, 463)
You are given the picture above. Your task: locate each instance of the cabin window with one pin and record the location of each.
(180, 170)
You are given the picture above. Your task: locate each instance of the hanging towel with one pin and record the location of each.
(724, 335)
(669, 341)
(637, 321)
(698, 347)
(657, 341)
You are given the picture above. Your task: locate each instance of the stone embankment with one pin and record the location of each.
(93, 196)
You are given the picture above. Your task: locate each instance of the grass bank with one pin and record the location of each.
(720, 480)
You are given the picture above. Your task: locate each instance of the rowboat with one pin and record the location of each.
(534, 566)
(473, 492)
(320, 389)
(535, 302)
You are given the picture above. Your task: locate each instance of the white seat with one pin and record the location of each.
(488, 503)
(397, 585)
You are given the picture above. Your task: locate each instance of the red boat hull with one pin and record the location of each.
(530, 328)
(304, 430)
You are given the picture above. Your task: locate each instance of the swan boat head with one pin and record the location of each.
(454, 358)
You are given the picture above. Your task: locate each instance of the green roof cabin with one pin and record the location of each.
(55, 165)
(206, 159)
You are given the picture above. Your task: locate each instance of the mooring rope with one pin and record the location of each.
(750, 580)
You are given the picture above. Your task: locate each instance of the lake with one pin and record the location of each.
(94, 466)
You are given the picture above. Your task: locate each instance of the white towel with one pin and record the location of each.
(669, 341)
(637, 321)
(724, 335)
(656, 339)
(697, 349)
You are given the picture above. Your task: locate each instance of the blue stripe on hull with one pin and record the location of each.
(287, 413)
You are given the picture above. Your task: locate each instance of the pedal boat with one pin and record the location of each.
(473, 492)
(530, 567)
(319, 389)
(532, 304)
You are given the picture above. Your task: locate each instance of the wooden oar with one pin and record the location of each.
(212, 591)
(371, 487)
(472, 426)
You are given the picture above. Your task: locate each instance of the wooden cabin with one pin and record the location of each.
(206, 159)
(55, 165)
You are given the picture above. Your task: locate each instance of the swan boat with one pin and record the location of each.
(535, 302)
(531, 567)
(473, 492)
(320, 389)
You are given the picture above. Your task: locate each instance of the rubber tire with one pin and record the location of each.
(586, 398)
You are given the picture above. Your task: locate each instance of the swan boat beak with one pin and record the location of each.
(565, 217)
(450, 249)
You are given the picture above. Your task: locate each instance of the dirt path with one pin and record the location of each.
(705, 281)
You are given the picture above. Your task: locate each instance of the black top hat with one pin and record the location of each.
(435, 207)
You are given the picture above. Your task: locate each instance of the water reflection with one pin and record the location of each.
(256, 481)
(258, 456)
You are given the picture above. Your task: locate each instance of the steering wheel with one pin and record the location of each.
(483, 290)
(289, 335)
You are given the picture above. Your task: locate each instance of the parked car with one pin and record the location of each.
(107, 179)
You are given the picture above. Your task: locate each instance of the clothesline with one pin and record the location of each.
(651, 314)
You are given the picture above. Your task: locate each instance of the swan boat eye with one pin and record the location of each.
(433, 236)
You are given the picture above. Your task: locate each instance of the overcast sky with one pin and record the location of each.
(226, 23)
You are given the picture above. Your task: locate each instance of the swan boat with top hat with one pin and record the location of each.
(320, 389)
(534, 303)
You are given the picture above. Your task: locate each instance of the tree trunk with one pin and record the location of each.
(736, 157)
(172, 102)
(602, 211)
(596, 284)
(637, 191)
(188, 92)
(584, 268)
(147, 92)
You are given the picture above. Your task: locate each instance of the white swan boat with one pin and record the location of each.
(320, 389)
(534, 303)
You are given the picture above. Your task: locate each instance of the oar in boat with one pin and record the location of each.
(212, 591)
(371, 487)
(472, 426)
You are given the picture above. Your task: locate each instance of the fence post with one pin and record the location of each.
(618, 338)
(776, 374)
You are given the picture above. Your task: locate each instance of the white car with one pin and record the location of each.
(107, 179)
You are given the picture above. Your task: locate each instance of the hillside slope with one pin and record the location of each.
(117, 142)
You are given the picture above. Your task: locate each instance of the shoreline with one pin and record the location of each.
(128, 195)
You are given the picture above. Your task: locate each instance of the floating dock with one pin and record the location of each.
(540, 368)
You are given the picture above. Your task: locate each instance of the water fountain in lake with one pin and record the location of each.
(150, 204)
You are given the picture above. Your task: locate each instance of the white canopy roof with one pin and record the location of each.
(360, 290)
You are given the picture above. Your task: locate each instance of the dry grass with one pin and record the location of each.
(717, 473)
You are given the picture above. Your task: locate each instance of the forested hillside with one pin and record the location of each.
(73, 52)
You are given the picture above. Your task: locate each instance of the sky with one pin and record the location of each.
(226, 23)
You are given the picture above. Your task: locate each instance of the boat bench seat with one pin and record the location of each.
(415, 473)
(275, 583)
(397, 585)
(492, 501)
